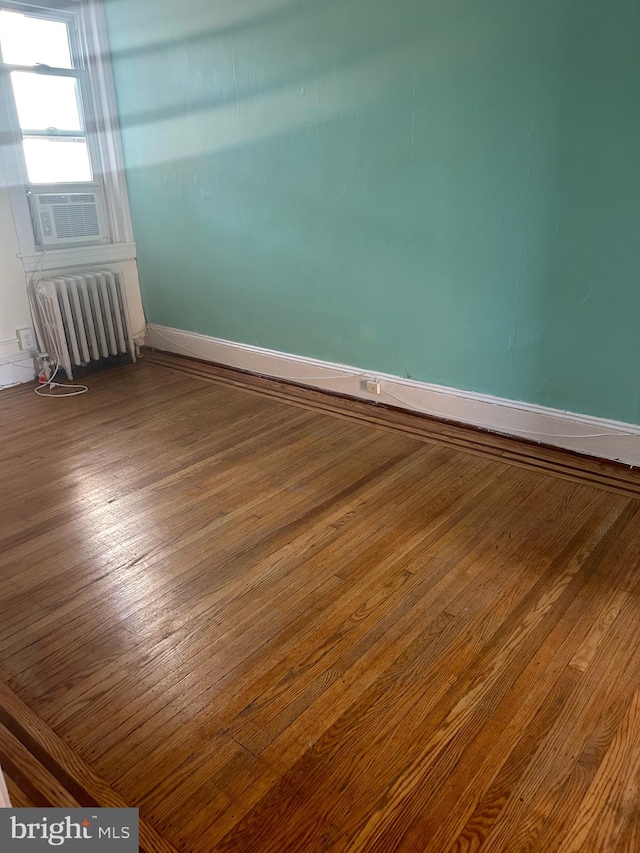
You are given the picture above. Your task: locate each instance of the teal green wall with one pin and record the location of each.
(442, 189)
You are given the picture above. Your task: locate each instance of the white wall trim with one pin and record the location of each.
(582, 433)
(77, 256)
(98, 57)
(16, 366)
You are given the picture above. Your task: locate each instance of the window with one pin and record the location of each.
(65, 172)
(46, 84)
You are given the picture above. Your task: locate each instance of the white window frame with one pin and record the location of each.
(103, 137)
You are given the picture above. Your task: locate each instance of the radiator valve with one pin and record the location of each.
(45, 370)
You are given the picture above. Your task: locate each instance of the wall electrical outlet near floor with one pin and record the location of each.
(26, 339)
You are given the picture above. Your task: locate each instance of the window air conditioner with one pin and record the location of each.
(68, 218)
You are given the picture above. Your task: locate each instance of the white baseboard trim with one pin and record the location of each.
(582, 433)
(16, 365)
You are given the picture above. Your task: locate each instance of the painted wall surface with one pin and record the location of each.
(442, 189)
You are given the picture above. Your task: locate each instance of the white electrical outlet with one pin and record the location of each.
(373, 386)
(26, 339)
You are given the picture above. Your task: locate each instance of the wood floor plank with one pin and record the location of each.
(494, 579)
(55, 775)
(20, 765)
(275, 619)
(17, 797)
(549, 674)
(205, 602)
(577, 741)
(232, 700)
(446, 714)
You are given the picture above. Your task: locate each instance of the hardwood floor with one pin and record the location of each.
(275, 620)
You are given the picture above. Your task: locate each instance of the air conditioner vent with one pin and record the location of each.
(53, 199)
(76, 220)
(81, 197)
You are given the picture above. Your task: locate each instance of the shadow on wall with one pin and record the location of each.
(444, 190)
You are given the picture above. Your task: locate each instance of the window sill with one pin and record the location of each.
(77, 256)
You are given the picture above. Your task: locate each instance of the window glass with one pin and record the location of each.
(45, 102)
(25, 40)
(57, 160)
